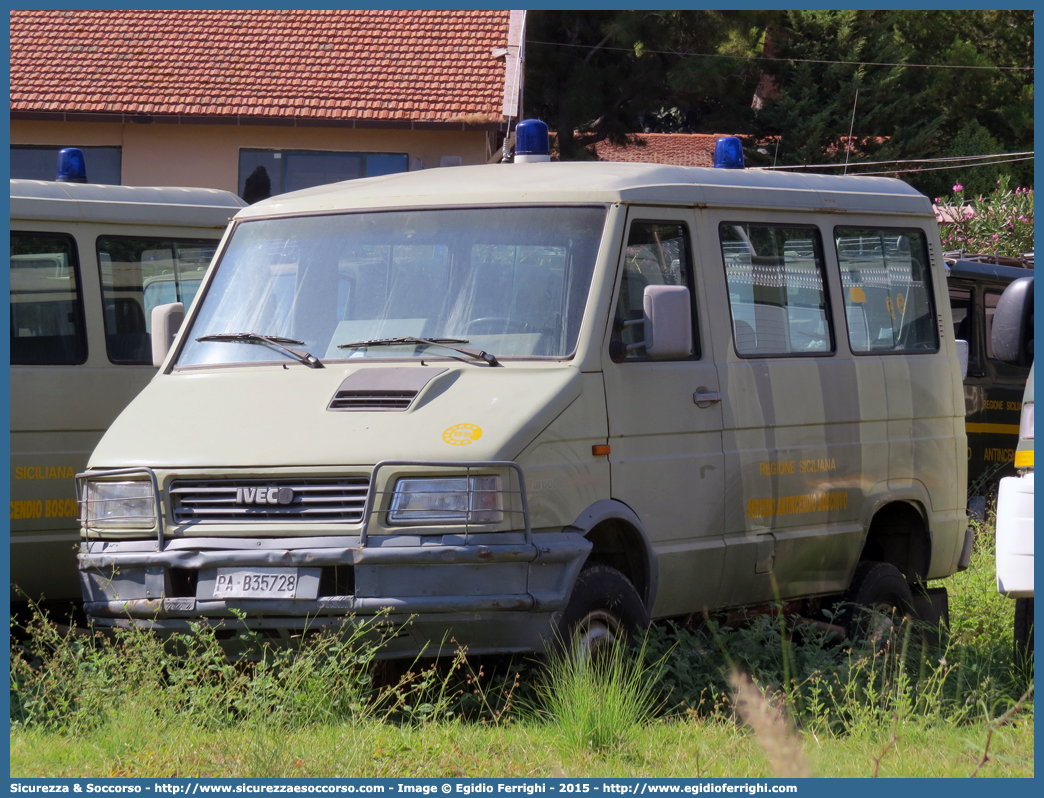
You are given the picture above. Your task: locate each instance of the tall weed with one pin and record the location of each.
(597, 703)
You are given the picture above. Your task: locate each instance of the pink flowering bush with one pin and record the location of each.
(998, 224)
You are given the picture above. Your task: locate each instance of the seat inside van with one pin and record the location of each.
(127, 338)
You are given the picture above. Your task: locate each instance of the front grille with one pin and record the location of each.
(321, 500)
(372, 400)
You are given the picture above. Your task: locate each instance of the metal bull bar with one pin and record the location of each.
(374, 506)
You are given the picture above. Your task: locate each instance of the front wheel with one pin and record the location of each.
(603, 608)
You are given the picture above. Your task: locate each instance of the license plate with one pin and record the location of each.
(256, 583)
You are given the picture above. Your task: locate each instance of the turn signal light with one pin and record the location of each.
(600, 449)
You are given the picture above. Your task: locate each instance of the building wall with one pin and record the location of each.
(207, 156)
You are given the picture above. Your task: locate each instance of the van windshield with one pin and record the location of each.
(510, 281)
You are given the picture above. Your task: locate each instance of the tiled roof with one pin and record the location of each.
(674, 149)
(320, 65)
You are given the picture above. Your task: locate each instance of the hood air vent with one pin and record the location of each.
(379, 389)
(372, 400)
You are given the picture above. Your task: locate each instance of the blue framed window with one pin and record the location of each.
(265, 173)
(104, 164)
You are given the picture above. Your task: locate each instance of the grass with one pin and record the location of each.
(712, 701)
(597, 702)
(136, 746)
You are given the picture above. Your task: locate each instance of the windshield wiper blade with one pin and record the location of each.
(447, 343)
(275, 342)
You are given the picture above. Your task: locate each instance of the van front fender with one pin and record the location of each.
(611, 511)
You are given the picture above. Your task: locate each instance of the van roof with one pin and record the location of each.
(605, 182)
(94, 202)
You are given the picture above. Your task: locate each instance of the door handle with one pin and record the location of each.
(705, 398)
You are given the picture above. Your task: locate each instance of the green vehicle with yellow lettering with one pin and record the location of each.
(82, 260)
(494, 406)
(992, 387)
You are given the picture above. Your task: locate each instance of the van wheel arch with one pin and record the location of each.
(619, 541)
(899, 534)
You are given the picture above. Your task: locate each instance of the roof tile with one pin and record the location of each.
(674, 149)
(402, 64)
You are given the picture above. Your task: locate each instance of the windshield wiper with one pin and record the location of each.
(272, 341)
(443, 342)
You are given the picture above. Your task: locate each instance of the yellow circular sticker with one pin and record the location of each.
(462, 434)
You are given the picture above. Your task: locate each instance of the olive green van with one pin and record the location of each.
(88, 263)
(512, 401)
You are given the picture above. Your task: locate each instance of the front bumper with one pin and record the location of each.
(489, 591)
(489, 596)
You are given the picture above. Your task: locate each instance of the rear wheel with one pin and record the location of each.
(603, 608)
(878, 599)
(1023, 630)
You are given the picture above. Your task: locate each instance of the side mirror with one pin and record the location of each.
(1012, 334)
(962, 356)
(166, 321)
(668, 321)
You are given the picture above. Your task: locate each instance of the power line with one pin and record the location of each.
(781, 60)
(938, 168)
(907, 160)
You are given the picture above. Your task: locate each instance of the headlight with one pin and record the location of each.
(452, 500)
(119, 504)
(1026, 422)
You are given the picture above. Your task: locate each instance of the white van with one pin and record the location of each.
(87, 266)
(511, 401)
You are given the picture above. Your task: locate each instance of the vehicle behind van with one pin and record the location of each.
(1012, 340)
(88, 264)
(495, 405)
(992, 387)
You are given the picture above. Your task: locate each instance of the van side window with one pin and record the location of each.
(657, 253)
(887, 290)
(47, 325)
(138, 274)
(777, 296)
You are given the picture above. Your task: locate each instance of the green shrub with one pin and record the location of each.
(826, 683)
(71, 683)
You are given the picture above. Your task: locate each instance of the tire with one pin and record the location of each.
(878, 597)
(1023, 631)
(603, 608)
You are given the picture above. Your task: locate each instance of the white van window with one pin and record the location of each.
(137, 274)
(657, 253)
(510, 281)
(887, 290)
(777, 295)
(47, 325)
